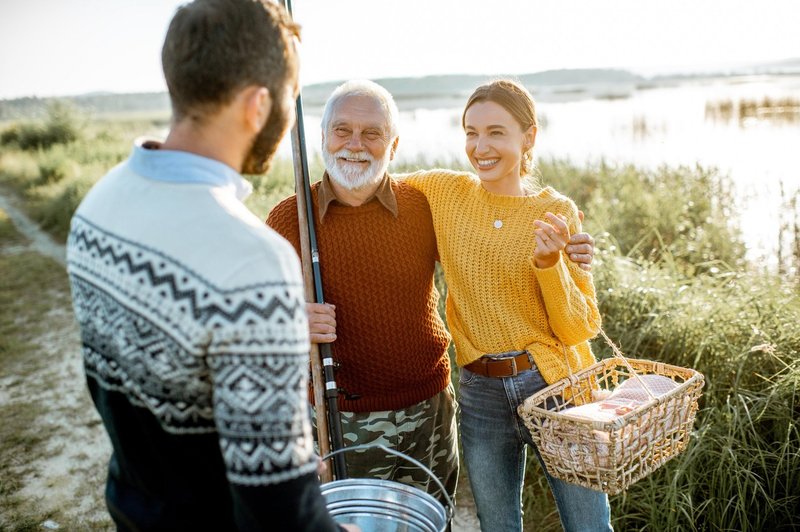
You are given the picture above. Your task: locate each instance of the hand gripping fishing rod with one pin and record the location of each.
(326, 393)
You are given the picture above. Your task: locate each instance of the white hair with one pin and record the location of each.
(363, 87)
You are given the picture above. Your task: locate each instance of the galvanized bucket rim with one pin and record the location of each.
(449, 511)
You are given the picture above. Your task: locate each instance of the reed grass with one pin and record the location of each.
(780, 109)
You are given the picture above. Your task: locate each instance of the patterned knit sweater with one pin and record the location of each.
(497, 299)
(378, 271)
(195, 347)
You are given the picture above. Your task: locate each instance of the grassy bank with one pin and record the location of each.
(672, 285)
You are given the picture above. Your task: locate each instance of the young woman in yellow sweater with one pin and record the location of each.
(519, 311)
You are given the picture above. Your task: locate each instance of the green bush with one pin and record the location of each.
(53, 206)
(55, 166)
(686, 214)
(62, 126)
(18, 169)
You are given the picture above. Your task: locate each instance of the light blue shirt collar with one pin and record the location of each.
(148, 160)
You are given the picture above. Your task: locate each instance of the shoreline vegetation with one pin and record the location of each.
(673, 285)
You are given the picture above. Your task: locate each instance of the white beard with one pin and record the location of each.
(349, 177)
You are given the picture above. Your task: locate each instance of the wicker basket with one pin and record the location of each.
(609, 456)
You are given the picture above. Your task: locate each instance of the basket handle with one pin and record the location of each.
(617, 353)
(450, 504)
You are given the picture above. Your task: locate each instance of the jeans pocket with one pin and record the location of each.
(466, 377)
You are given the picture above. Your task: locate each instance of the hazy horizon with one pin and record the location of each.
(698, 71)
(71, 47)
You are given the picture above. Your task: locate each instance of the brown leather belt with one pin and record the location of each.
(502, 366)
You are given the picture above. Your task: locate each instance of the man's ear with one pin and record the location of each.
(394, 148)
(258, 104)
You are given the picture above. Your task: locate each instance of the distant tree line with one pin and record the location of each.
(97, 103)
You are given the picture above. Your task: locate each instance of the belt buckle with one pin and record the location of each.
(514, 371)
(508, 355)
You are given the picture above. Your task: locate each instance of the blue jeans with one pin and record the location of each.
(494, 438)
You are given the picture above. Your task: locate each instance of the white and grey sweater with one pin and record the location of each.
(192, 310)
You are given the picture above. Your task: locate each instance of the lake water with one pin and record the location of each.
(682, 124)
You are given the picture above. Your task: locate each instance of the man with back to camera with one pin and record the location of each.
(377, 256)
(192, 316)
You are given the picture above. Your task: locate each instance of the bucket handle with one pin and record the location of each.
(450, 504)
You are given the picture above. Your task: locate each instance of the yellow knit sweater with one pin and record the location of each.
(497, 299)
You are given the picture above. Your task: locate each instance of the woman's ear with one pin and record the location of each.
(530, 137)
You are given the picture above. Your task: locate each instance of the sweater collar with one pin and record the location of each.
(150, 160)
(384, 194)
(501, 200)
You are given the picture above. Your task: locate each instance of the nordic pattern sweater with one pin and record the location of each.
(378, 270)
(195, 345)
(497, 299)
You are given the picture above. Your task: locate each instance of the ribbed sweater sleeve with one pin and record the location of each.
(568, 292)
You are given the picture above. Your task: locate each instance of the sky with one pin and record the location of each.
(66, 47)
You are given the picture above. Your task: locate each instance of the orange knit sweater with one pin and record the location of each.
(378, 271)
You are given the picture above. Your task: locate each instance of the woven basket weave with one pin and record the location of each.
(609, 456)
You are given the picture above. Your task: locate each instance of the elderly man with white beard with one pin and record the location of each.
(377, 256)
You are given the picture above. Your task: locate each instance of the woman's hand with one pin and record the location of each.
(321, 322)
(551, 239)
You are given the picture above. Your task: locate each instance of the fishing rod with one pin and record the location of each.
(326, 392)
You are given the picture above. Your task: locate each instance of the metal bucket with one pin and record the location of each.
(384, 505)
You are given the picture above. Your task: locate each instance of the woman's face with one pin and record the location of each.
(494, 145)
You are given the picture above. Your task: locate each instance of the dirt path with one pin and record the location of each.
(39, 240)
(67, 477)
(60, 480)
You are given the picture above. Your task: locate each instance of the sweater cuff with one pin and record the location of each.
(555, 278)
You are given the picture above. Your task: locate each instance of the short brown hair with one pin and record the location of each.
(515, 99)
(215, 48)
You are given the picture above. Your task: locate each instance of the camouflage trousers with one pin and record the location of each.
(425, 431)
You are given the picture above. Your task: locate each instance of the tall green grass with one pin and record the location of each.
(742, 331)
(672, 286)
